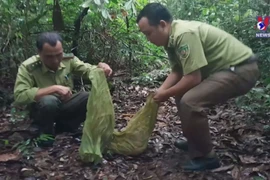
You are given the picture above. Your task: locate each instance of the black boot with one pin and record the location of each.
(181, 144)
(202, 163)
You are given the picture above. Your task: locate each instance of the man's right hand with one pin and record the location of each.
(63, 91)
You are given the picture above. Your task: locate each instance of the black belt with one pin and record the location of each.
(251, 59)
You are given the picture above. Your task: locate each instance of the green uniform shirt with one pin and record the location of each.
(195, 45)
(33, 74)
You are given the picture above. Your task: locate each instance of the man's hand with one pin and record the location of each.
(106, 68)
(161, 95)
(64, 92)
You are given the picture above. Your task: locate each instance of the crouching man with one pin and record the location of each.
(45, 82)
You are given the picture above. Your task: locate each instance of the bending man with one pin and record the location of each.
(209, 66)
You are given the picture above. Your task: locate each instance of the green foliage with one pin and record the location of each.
(151, 79)
(5, 142)
(98, 6)
(117, 40)
(18, 114)
(256, 101)
(109, 26)
(26, 147)
(18, 20)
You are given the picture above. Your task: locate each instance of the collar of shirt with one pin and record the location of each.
(45, 69)
(171, 35)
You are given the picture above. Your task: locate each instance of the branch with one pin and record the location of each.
(77, 25)
(153, 55)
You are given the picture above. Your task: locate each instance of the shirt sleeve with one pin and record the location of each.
(81, 68)
(190, 52)
(173, 61)
(24, 90)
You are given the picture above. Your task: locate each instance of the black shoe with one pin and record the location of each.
(201, 164)
(181, 144)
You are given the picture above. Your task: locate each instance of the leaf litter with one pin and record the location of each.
(239, 142)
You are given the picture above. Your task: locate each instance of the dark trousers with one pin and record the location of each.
(66, 115)
(218, 88)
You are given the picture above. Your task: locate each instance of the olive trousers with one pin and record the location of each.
(217, 88)
(67, 116)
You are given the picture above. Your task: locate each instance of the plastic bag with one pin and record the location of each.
(99, 124)
(133, 140)
(98, 131)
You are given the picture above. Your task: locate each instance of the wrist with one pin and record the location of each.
(99, 64)
(169, 92)
(54, 89)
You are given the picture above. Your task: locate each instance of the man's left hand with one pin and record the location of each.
(106, 68)
(161, 96)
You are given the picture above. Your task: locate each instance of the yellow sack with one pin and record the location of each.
(98, 131)
(133, 140)
(99, 124)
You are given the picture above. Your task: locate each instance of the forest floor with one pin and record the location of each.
(243, 148)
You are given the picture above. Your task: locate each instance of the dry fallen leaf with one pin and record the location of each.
(161, 124)
(247, 159)
(235, 173)
(9, 157)
(27, 172)
(124, 13)
(223, 168)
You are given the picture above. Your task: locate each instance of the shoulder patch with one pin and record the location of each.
(31, 67)
(32, 63)
(68, 56)
(183, 51)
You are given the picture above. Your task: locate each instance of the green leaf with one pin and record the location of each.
(258, 178)
(236, 18)
(97, 2)
(6, 142)
(268, 86)
(28, 141)
(128, 5)
(105, 13)
(134, 9)
(248, 13)
(205, 12)
(50, 2)
(86, 4)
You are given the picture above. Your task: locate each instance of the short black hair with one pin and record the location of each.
(155, 12)
(48, 37)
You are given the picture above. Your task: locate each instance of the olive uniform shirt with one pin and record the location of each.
(33, 74)
(195, 45)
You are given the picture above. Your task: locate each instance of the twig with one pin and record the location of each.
(7, 39)
(82, 84)
(97, 173)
